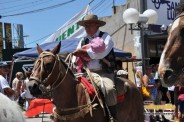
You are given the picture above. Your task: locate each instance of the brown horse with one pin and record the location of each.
(171, 66)
(73, 103)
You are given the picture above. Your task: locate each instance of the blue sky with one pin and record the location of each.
(39, 25)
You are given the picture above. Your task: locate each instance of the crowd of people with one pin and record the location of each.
(153, 89)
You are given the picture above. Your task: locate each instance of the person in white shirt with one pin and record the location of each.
(26, 94)
(170, 94)
(16, 84)
(4, 86)
(91, 23)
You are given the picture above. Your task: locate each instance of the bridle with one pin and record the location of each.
(83, 109)
(48, 81)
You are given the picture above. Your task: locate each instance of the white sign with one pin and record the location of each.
(70, 29)
(164, 9)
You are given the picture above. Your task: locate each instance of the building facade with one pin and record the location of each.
(154, 39)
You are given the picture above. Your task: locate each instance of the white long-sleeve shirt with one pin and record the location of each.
(94, 63)
(3, 84)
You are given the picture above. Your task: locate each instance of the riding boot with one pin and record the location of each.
(113, 111)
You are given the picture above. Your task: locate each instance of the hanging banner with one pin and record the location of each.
(1, 38)
(70, 29)
(165, 10)
(8, 35)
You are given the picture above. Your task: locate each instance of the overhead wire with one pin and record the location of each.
(38, 39)
(39, 10)
(15, 6)
(9, 1)
(102, 9)
(25, 7)
(97, 5)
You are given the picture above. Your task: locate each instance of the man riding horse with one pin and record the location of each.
(91, 23)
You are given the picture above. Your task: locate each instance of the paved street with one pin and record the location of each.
(39, 119)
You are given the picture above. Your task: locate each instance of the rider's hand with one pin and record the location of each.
(77, 53)
(80, 52)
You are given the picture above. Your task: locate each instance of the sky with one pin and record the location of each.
(37, 26)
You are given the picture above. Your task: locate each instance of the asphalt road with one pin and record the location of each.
(46, 118)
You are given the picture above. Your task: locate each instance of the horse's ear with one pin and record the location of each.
(39, 49)
(56, 49)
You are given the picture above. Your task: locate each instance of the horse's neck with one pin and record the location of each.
(69, 93)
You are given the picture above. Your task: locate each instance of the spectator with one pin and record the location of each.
(159, 92)
(16, 84)
(145, 90)
(156, 72)
(164, 94)
(153, 69)
(119, 71)
(180, 96)
(137, 69)
(170, 94)
(149, 83)
(26, 94)
(4, 86)
(152, 85)
(176, 102)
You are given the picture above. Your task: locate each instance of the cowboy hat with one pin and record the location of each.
(91, 18)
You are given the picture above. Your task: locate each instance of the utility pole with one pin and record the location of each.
(113, 6)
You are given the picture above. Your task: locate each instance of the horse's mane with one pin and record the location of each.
(180, 8)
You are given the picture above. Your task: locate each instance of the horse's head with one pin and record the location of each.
(45, 70)
(171, 66)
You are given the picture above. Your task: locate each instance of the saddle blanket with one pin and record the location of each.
(91, 90)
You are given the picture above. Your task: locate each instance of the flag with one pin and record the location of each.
(70, 29)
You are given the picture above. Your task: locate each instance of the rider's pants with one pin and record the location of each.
(108, 81)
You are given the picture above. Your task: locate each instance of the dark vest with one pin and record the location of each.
(110, 57)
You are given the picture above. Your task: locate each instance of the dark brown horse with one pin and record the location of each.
(73, 103)
(171, 67)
